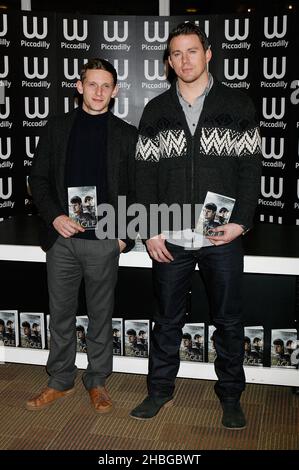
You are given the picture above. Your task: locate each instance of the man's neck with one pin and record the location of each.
(190, 91)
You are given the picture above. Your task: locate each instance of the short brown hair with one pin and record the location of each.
(188, 28)
(98, 64)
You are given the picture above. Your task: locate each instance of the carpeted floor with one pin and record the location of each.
(193, 423)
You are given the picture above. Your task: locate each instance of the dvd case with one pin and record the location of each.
(137, 338)
(9, 328)
(48, 331)
(216, 211)
(117, 336)
(192, 344)
(82, 203)
(81, 330)
(253, 346)
(211, 344)
(32, 330)
(283, 344)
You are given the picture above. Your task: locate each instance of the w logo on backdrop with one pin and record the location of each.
(35, 68)
(125, 68)
(4, 26)
(272, 153)
(28, 145)
(35, 31)
(156, 75)
(274, 73)
(6, 112)
(6, 155)
(235, 75)
(5, 71)
(206, 27)
(36, 112)
(155, 37)
(273, 113)
(271, 192)
(8, 194)
(74, 36)
(75, 74)
(274, 27)
(121, 107)
(115, 35)
(236, 33)
(70, 103)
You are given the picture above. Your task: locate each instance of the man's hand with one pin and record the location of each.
(157, 249)
(122, 245)
(230, 232)
(66, 227)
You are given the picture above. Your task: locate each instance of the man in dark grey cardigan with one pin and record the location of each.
(197, 137)
(88, 152)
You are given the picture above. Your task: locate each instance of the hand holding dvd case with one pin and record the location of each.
(216, 211)
(82, 202)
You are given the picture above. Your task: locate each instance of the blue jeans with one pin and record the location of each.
(222, 269)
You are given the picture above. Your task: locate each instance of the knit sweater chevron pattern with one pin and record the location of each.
(223, 156)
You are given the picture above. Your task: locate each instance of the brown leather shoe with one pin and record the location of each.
(46, 398)
(100, 399)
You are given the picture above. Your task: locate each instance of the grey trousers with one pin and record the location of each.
(68, 261)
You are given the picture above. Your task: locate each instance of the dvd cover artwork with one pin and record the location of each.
(192, 344)
(253, 346)
(211, 344)
(117, 336)
(82, 203)
(216, 211)
(32, 330)
(81, 330)
(137, 338)
(284, 348)
(9, 328)
(48, 331)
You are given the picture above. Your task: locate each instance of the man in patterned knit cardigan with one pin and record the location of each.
(196, 137)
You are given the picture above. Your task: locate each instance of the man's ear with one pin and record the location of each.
(115, 91)
(208, 55)
(79, 87)
(170, 62)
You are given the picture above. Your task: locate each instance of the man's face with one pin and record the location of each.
(209, 214)
(76, 207)
(278, 348)
(186, 342)
(97, 90)
(131, 338)
(188, 58)
(89, 202)
(26, 331)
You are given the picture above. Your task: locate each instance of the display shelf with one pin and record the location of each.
(205, 371)
(269, 250)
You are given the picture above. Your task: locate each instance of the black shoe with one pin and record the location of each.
(233, 416)
(150, 407)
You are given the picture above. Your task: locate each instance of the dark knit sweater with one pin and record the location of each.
(223, 156)
(87, 157)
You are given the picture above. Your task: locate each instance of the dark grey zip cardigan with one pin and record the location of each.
(224, 155)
